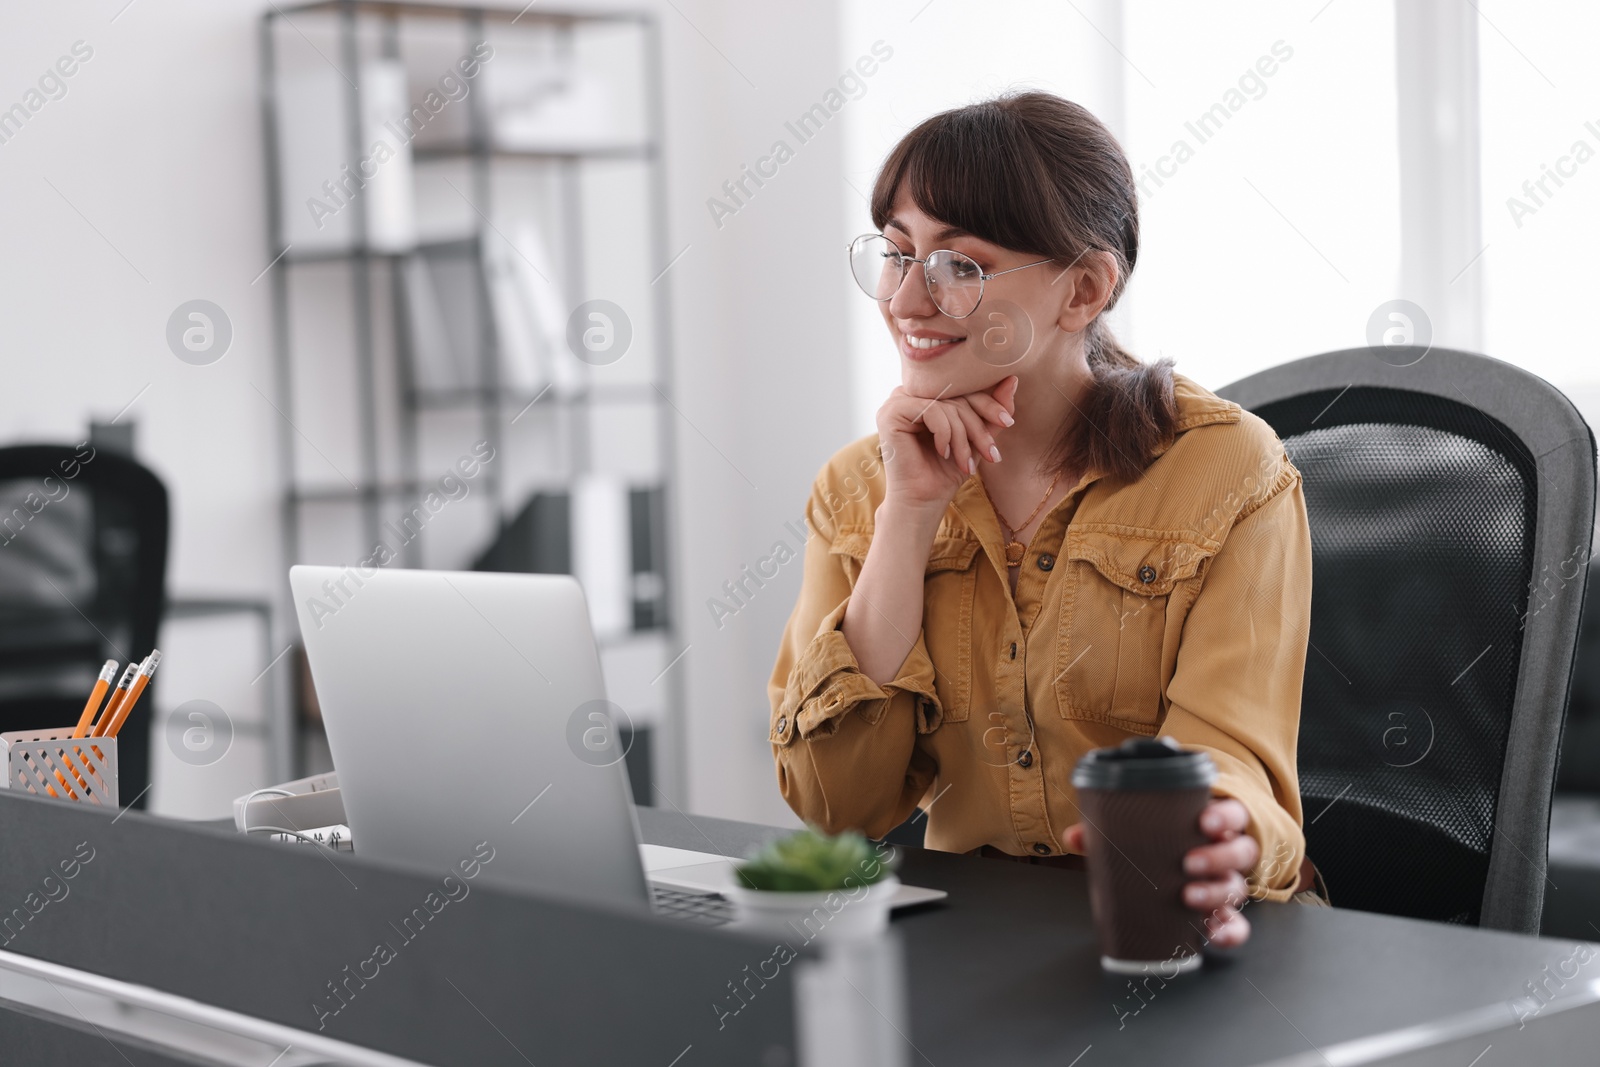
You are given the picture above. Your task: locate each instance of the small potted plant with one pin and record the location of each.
(813, 884)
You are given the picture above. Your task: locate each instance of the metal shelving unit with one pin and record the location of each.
(378, 26)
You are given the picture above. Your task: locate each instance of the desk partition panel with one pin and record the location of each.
(347, 960)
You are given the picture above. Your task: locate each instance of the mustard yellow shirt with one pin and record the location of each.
(1175, 605)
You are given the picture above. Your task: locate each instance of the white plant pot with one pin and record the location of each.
(830, 915)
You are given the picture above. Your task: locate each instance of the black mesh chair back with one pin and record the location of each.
(1451, 503)
(83, 556)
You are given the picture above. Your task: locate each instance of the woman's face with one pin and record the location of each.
(1015, 325)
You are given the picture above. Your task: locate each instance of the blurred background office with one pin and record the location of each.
(586, 309)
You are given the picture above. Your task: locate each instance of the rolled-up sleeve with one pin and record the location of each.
(845, 746)
(1235, 689)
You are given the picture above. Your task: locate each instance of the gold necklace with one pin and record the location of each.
(1015, 549)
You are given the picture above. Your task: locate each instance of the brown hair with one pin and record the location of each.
(1037, 174)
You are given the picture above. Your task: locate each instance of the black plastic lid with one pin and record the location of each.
(1144, 763)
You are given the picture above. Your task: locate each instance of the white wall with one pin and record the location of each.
(1540, 122)
(138, 190)
(763, 378)
(157, 144)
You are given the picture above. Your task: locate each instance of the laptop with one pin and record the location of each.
(467, 709)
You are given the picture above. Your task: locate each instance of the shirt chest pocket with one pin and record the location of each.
(949, 580)
(1123, 612)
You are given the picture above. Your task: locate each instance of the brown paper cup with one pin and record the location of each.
(1140, 804)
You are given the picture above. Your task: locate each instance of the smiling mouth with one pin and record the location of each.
(924, 347)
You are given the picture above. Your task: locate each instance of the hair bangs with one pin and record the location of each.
(974, 169)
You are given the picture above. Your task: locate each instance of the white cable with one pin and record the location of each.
(250, 796)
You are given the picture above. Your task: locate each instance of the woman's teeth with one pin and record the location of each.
(930, 342)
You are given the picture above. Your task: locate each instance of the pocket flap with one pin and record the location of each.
(1144, 562)
(951, 551)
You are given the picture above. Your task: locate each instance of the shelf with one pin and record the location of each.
(467, 396)
(460, 246)
(513, 13)
(433, 154)
(404, 397)
(202, 607)
(338, 494)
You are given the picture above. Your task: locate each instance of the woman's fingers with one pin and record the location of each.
(1210, 895)
(930, 414)
(939, 428)
(1236, 854)
(1218, 898)
(978, 435)
(989, 409)
(1006, 393)
(949, 435)
(962, 448)
(1227, 927)
(1223, 815)
(961, 427)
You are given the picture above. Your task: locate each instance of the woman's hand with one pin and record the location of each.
(931, 446)
(1218, 885)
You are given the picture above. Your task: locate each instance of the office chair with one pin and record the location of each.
(1451, 499)
(83, 559)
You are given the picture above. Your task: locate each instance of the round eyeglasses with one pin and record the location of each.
(955, 281)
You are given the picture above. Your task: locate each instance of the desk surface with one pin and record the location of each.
(1006, 971)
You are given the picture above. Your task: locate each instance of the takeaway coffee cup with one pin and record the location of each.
(1140, 804)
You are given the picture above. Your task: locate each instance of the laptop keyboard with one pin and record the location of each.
(704, 909)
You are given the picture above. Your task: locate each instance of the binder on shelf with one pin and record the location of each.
(607, 534)
(537, 541)
(538, 283)
(516, 332)
(444, 286)
(447, 285)
(436, 359)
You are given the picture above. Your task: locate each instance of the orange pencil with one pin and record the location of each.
(107, 674)
(120, 716)
(117, 696)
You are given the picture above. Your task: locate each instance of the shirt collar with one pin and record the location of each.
(1197, 406)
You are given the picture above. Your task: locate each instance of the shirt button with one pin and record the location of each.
(1013, 650)
(1042, 849)
(1025, 760)
(1046, 561)
(1147, 574)
(783, 720)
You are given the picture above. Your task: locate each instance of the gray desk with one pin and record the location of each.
(169, 943)
(1006, 972)
(198, 923)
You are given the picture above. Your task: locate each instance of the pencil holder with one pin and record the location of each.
(34, 759)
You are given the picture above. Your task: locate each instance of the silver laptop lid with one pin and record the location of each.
(461, 709)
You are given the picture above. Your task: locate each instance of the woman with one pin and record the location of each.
(1048, 546)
